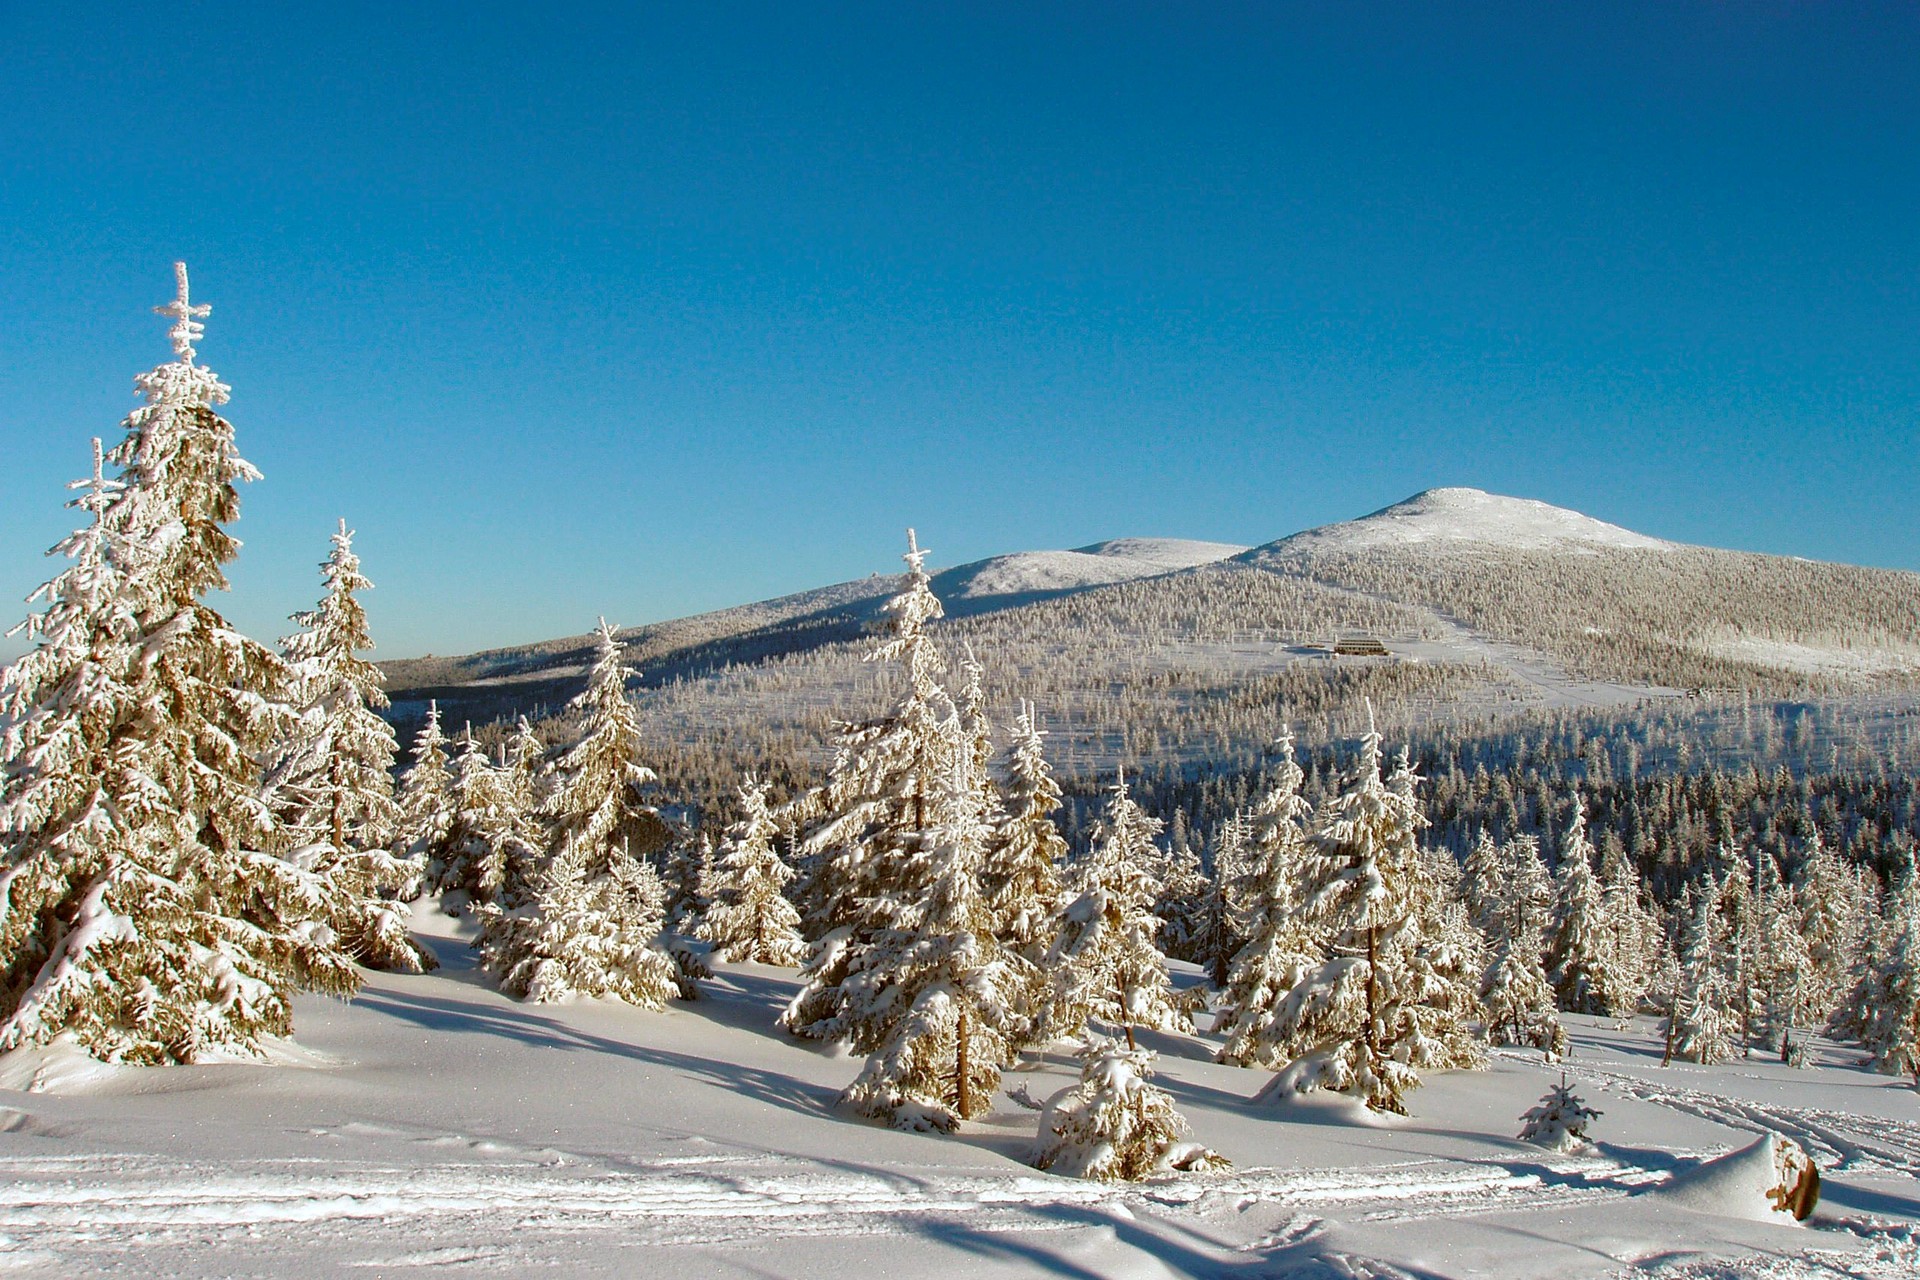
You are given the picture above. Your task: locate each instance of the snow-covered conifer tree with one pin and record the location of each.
(1023, 884)
(140, 911)
(878, 810)
(1559, 1120)
(1115, 1125)
(1699, 1026)
(1482, 878)
(426, 803)
(333, 786)
(593, 924)
(1350, 1021)
(1278, 951)
(591, 928)
(1889, 992)
(1578, 959)
(473, 857)
(1516, 996)
(1633, 935)
(748, 916)
(1104, 962)
(931, 999)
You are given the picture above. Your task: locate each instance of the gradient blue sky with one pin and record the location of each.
(644, 310)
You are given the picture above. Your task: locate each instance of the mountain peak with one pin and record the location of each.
(1471, 517)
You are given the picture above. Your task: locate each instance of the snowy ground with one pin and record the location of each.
(441, 1127)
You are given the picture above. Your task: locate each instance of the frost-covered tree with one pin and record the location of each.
(591, 928)
(140, 911)
(748, 916)
(878, 810)
(425, 801)
(1482, 877)
(1632, 933)
(931, 999)
(1559, 1120)
(1578, 959)
(1115, 1125)
(1834, 910)
(1104, 961)
(483, 834)
(597, 795)
(1889, 992)
(1352, 1021)
(1515, 995)
(1279, 950)
(1023, 881)
(1700, 1028)
(593, 924)
(333, 785)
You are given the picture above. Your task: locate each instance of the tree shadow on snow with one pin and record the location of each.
(521, 1024)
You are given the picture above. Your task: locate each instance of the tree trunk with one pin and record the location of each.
(962, 1077)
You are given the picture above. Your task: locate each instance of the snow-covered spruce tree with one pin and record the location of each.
(1482, 876)
(139, 910)
(1278, 951)
(1104, 962)
(1738, 919)
(1783, 963)
(1889, 992)
(1578, 960)
(1221, 921)
(523, 838)
(1633, 935)
(931, 997)
(1182, 907)
(590, 929)
(1116, 1126)
(594, 921)
(877, 811)
(471, 865)
(426, 803)
(1833, 913)
(333, 784)
(748, 917)
(1516, 997)
(1559, 1120)
(1348, 1023)
(1023, 882)
(1699, 1026)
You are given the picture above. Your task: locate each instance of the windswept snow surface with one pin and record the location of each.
(1036, 573)
(1458, 519)
(438, 1125)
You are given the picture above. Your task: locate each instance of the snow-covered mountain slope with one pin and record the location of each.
(1034, 573)
(1461, 519)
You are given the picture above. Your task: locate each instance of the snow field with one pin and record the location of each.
(457, 1129)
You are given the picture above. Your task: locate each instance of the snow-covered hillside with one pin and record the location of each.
(1462, 518)
(1034, 573)
(436, 1125)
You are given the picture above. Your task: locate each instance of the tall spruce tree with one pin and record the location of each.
(748, 917)
(1104, 961)
(878, 811)
(1578, 959)
(142, 913)
(1279, 949)
(931, 998)
(592, 926)
(1350, 1020)
(333, 786)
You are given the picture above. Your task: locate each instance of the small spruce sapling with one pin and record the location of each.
(1115, 1125)
(1559, 1120)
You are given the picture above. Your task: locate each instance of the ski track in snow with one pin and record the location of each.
(102, 1206)
(1838, 1140)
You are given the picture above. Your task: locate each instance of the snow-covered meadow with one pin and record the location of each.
(432, 1124)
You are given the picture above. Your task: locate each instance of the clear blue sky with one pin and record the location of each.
(642, 310)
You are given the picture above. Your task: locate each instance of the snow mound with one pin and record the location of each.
(1102, 564)
(1772, 1180)
(1446, 517)
(60, 1066)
